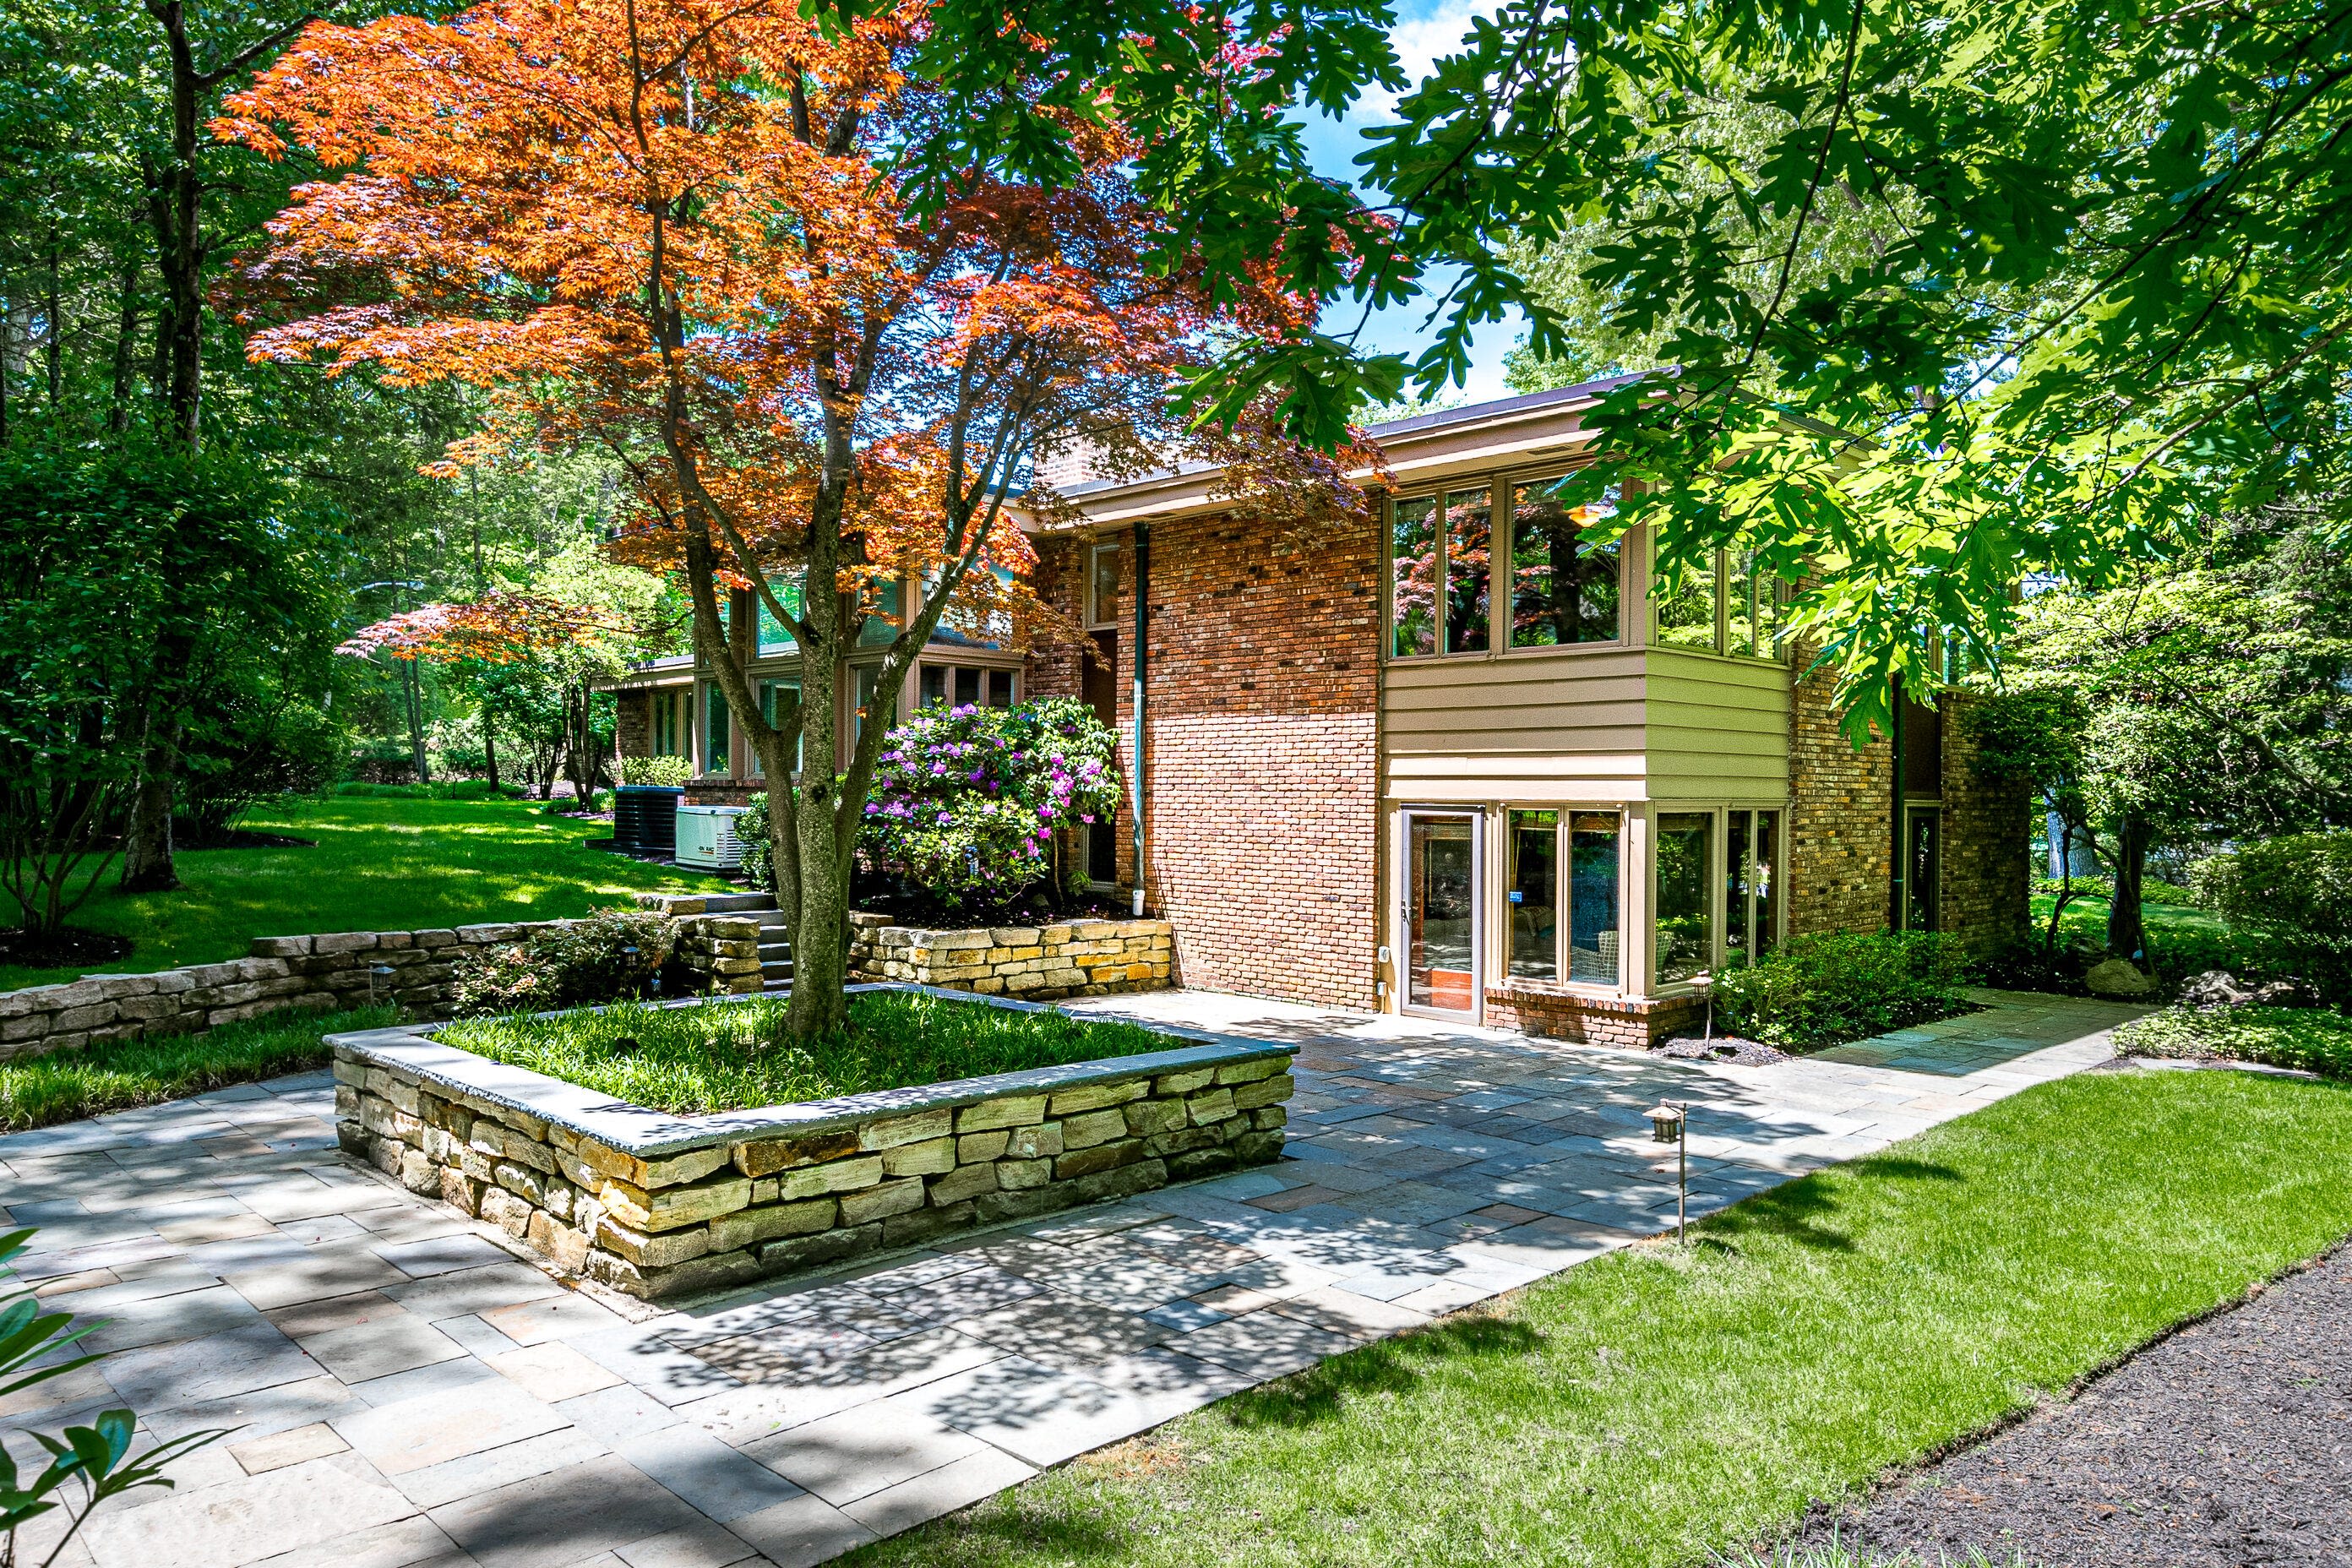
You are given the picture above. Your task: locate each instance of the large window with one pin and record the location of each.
(1412, 577)
(1563, 587)
(1564, 926)
(1685, 895)
(718, 754)
(1102, 584)
(1738, 583)
(1533, 895)
(773, 638)
(963, 685)
(1596, 840)
(672, 720)
(770, 694)
(1469, 568)
(1463, 579)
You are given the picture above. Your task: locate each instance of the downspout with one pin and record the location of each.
(1135, 755)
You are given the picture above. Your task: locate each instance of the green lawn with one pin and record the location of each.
(1655, 1407)
(731, 1056)
(66, 1086)
(379, 865)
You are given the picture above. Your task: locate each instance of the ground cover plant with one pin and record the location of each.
(66, 1086)
(1813, 992)
(397, 864)
(734, 1056)
(2309, 1039)
(1657, 1407)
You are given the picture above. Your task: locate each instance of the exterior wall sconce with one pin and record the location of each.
(1670, 1124)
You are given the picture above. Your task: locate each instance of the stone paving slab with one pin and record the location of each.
(408, 1393)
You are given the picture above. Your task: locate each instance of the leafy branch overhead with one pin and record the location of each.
(1952, 296)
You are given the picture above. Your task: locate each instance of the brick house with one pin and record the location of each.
(1375, 777)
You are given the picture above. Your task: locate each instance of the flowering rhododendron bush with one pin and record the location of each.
(967, 801)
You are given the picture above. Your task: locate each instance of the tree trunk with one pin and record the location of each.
(56, 346)
(490, 747)
(2126, 937)
(126, 352)
(5, 323)
(147, 864)
(412, 692)
(175, 194)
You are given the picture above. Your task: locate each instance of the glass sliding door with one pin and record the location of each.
(1766, 881)
(1441, 912)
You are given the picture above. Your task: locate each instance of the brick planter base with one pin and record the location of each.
(1559, 1014)
(661, 1206)
(1079, 958)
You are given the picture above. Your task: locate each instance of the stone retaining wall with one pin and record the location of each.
(319, 974)
(1080, 958)
(664, 1205)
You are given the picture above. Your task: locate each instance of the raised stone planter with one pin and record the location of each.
(1079, 958)
(658, 1206)
(319, 974)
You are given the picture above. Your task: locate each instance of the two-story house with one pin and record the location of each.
(1458, 760)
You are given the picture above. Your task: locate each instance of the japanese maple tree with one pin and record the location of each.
(673, 228)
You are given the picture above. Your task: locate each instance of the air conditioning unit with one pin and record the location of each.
(706, 837)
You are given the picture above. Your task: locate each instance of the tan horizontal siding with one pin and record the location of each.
(1576, 700)
(1718, 728)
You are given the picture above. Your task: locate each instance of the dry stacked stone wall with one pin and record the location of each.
(315, 974)
(1080, 958)
(758, 1202)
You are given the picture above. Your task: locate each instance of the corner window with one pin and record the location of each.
(1564, 589)
(1686, 894)
(1102, 584)
(1595, 844)
(1686, 607)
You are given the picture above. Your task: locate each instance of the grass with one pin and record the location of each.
(2311, 1039)
(66, 1086)
(1655, 1407)
(730, 1057)
(381, 864)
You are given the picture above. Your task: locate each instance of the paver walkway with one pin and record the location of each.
(406, 1392)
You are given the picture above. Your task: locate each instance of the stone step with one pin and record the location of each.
(739, 903)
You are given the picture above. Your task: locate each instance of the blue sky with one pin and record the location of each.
(1425, 30)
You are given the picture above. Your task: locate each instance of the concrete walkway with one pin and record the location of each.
(406, 1392)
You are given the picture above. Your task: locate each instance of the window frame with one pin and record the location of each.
(1722, 647)
(1501, 485)
(1095, 550)
(1563, 894)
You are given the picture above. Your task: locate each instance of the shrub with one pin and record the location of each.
(752, 831)
(2311, 1039)
(665, 773)
(1816, 991)
(2294, 896)
(967, 802)
(2152, 890)
(583, 963)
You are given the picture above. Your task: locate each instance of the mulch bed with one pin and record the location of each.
(2227, 1445)
(69, 946)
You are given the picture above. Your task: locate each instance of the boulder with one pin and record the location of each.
(2120, 979)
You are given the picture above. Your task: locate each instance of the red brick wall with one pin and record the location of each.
(1840, 832)
(633, 722)
(1987, 825)
(1263, 842)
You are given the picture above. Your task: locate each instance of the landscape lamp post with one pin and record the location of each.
(1670, 1124)
(379, 974)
